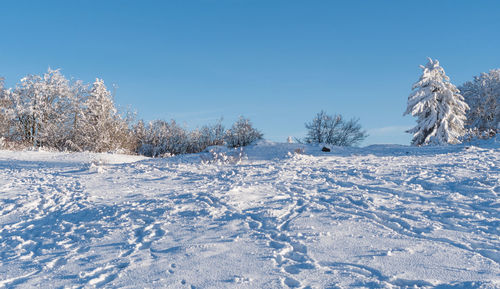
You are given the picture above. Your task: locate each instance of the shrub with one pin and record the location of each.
(241, 134)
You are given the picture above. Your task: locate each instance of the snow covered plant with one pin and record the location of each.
(215, 156)
(98, 126)
(41, 106)
(296, 152)
(483, 97)
(439, 107)
(208, 135)
(97, 166)
(241, 134)
(299, 151)
(50, 111)
(160, 138)
(6, 117)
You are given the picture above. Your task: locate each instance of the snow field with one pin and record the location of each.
(377, 217)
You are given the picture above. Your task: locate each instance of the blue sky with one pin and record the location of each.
(276, 62)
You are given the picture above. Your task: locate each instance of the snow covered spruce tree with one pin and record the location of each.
(334, 130)
(438, 106)
(99, 127)
(483, 97)
(241, 133)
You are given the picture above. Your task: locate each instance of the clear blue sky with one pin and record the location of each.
(276, 62)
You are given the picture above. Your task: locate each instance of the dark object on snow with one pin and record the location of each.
(325, 149)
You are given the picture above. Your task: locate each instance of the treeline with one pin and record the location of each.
(51, 111)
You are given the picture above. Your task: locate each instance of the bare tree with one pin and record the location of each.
(334, 130)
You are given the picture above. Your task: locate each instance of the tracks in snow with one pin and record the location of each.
(52, 221)
(96, 229)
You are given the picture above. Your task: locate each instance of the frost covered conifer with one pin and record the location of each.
(438, 106)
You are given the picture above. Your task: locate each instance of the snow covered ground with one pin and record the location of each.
(374, 217)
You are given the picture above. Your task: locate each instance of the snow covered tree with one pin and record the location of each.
(40, 106)
(99, 127)
(483, 97)
(241, 134)
(139, 133)
(439, 107)
(6, 118)
(334, 130)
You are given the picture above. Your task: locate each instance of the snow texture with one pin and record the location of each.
(284, 216)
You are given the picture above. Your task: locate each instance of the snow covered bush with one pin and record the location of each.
(160, 138)
(334, 130)
(241, 134)
(215, 156)
(482, 94)
(97, 166)
(439, 107)
(208, 135)
(299, 151)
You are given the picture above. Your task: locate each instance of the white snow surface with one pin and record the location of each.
(375, 217)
